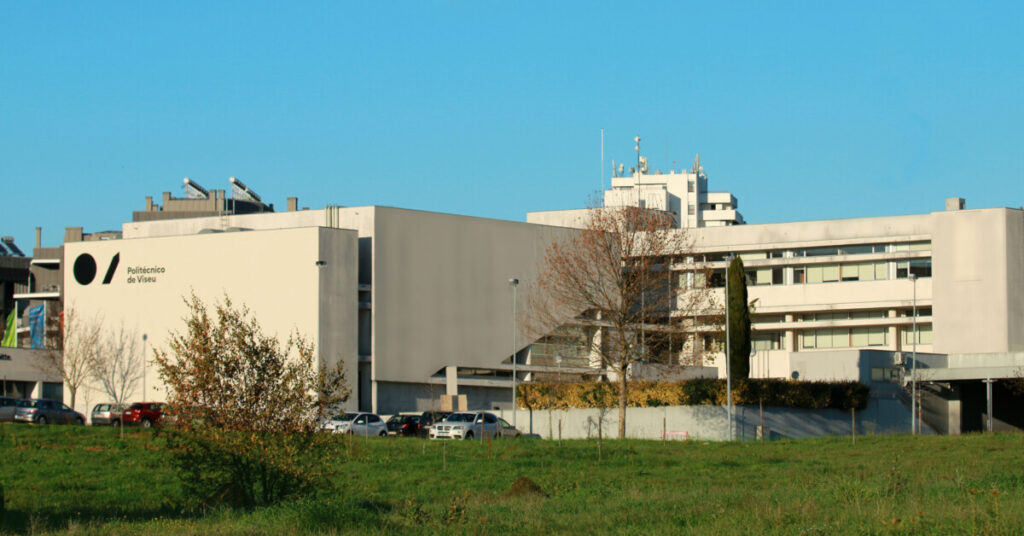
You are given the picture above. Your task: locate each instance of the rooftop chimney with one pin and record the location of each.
(293, 204)
(955, 203)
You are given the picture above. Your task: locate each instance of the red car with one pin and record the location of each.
(145, 414)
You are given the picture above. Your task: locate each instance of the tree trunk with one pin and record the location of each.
(622, 402)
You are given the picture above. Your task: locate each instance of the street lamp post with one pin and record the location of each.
(914, 421)
(144, 337)
(514, 283)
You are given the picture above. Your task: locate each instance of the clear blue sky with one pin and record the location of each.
(802, 110)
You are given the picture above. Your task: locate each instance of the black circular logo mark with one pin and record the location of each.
(85, 269)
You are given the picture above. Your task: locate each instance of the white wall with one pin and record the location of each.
(273, 273)
(712, 423)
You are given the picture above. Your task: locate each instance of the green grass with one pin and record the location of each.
(90, 481)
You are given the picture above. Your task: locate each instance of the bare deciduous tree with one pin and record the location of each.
(614, 276)
(118, 363)
(73, 355)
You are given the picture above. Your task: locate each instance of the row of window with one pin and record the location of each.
(829, 251)
(844, 337)
(824, 273)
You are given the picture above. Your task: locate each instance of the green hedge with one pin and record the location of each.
(772, 392)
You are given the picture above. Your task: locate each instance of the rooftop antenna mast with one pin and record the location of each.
(638, 170)
(602, 167)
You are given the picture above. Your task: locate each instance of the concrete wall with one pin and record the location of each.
(274, 273)
(882, 416)
(440, 290)
(971, 273)
(1015, 279)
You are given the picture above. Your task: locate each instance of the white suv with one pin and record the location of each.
(360, 424)
(465, 425)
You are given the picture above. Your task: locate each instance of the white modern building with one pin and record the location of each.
(418, 305)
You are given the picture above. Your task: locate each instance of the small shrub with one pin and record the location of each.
(246, 409)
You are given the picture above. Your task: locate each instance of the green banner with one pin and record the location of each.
(11, 333)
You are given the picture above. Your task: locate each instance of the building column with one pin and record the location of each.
(894, 334)
(789, 336)
(451, 377)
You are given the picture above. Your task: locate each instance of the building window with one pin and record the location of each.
(690, 187)
(691, 210)
(766, 340)
(924, 335)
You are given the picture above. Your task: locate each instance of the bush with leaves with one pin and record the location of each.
(245, 408)
(772, 392)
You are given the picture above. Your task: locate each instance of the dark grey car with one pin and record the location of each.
(42, 411)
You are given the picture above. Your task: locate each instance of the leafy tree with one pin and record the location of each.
(245, 408)
(739, 321)
(612, 276)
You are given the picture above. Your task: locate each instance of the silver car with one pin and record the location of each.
(7, 406)
(360, 424)
(103, 414)
(42, 411)
(467, 425)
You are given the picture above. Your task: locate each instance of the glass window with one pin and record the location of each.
(859, 337)
(766, 340)
(777, 276)
(818, 252)
(849, 272)
(921, 267)
(859, 249)
(814, 274)
(924, 334)
(830, 273)
(799, 275)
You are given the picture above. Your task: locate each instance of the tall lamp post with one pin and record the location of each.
(728, 360)
(144, 337)
(915, 421)
(514, 283)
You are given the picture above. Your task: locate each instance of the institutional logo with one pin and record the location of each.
(85, 269)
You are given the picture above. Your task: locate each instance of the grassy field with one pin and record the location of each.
(90, 481)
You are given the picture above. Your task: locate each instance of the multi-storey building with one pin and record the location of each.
(683, 194)
(418, 304)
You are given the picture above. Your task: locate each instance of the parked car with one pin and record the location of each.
(467, 425)
(103, 414)
(428, 418)
(361, 424)
(42, 411)
(7, 405)
(145, 414)
(404, 424)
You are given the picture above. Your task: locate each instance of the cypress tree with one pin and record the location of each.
(739, 321)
